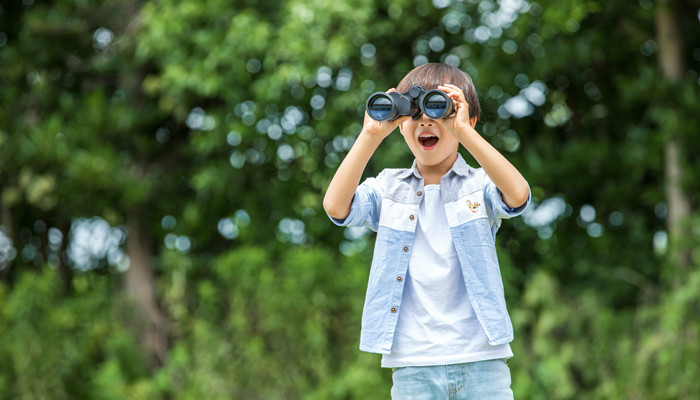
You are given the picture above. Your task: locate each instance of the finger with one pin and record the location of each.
(455, 87)
(451, 88)
(457, 96)
(401, 120)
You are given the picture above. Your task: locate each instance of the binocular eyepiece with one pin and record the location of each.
(435, 104)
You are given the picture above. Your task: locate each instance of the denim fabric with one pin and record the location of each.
(470, 381)
(388, 204)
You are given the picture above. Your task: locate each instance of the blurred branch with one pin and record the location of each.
(670, 59)
(649, 288)
(5, 221)
(140, 287)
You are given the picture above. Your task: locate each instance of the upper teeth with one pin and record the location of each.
(427, 136)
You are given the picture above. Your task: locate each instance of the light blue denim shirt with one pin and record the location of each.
(388, 204)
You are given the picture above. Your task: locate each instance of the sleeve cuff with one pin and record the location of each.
(501, 208)
(347, 220)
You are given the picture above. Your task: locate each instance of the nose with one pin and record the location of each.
(425, 121)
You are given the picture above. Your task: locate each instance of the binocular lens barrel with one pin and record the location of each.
(435, 104)
(379, 107)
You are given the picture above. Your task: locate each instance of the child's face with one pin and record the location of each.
(429, 142)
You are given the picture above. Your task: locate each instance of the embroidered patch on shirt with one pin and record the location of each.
(473, 207)
(467, 208)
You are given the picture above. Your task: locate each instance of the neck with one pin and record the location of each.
(433, 173)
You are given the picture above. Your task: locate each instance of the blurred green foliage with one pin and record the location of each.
(217, 125)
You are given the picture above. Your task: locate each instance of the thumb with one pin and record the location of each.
(401, 119)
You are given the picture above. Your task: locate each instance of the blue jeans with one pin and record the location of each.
(478, 380)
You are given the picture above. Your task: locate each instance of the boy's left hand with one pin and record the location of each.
(460, 122)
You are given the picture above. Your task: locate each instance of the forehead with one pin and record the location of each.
(431, 78)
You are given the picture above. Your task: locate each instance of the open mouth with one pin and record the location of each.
(428, 141)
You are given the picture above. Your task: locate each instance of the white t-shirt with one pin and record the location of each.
(437, 324)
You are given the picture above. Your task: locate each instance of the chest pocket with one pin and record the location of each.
(398, 216)
(467, 208)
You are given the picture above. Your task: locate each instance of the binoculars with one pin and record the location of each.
(435, 104)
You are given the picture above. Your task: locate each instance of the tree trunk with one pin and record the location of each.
(6, 222)
(140, 288)
(671, 62)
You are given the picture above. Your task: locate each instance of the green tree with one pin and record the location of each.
(193, 141)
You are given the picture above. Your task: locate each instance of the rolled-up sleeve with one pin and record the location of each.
(494, 200)
(366, 204)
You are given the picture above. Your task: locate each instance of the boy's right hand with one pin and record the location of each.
(381, 129)
(338, 198)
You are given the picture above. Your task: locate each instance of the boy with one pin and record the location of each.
(434, 306)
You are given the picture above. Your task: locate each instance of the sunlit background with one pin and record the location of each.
(162, 165)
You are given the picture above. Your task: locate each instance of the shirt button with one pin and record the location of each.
(419, 193)
(405, 248)
(398, 278)
(412, 217)
(393, 309)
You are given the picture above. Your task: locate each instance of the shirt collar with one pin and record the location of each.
(460, 167)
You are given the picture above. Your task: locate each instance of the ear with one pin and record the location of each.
(472, 121)
(401, 128)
